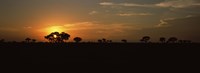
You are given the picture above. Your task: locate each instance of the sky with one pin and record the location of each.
(97, 19)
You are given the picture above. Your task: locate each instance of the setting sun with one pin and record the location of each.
(55, 36)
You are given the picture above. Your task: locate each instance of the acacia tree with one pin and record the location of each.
(64, 36)
(145, 39)
(77, 39)
(28, 40)
(49, 37)
(162, 39)
(124, 40)
(33, 40)
(104, 40)
(172, 40)
(57, 37)
(2, 40)
(99, 41)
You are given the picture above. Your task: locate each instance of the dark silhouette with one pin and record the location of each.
(109, 41)
(77, 39)
(33, 40)
(180, 41)
(57, 37)
(124, 40)
(188, 41)
(28, 40)
(2, 40)
(64, 36)
(99, 41)
(184, 41)
(86, 52)
(145, 39)
(162, 39)
(50, 38)
(104, 40)
(172, 40)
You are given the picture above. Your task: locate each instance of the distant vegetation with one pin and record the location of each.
(57, 37)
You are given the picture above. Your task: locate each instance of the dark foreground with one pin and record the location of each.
(113, 55)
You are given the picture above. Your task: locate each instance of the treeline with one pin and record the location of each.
(56, 37)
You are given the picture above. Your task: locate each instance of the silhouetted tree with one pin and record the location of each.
(2, 40)
(64, 36)
(162, 39)
(99, 41)
(14, 41)
(189, 41)
(33, 40)
(124, 40)
(104, 40)
(109, 41)
(28, 40)
(77, 39)
(50, 38)
(57, 37)
(145, 39)
(172, 40)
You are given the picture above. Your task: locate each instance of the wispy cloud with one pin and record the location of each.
(135, 14)
(162, 23)
(135, 5)
(125, 4)
(164, 4)
(107, 3)
(93, 12)
(178, 3)
(96, 26)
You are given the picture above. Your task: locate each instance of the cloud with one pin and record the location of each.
(135, 5)
(188, 16)
(93, 12)
(124, 4)
(106, 3)
(162, 23)
(178, 3)
(134, 14)
(96, 26)
(164, 4)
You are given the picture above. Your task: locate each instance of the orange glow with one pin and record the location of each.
(72, 29)
(55, 29)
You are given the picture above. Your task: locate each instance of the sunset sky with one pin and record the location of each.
(96, 19)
